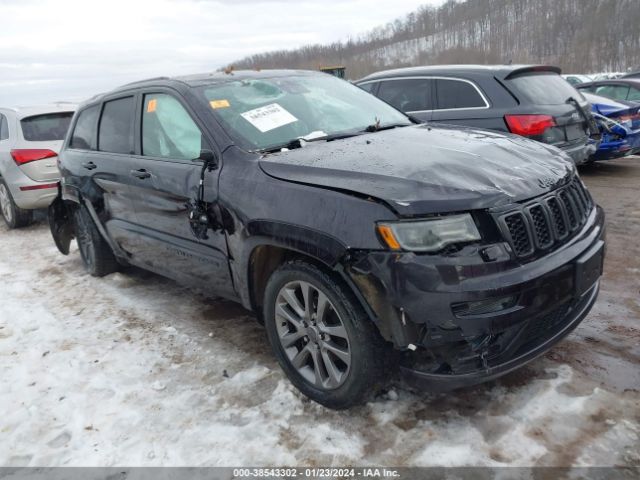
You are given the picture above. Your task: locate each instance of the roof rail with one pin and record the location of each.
(144, 81)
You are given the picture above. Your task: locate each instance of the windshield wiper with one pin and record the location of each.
(301, 141)
(376, 127)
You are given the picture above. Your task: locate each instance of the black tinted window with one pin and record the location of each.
(85, 129)
(368, 87)
(458, 94)
(542, 89)
(4, 128)
(407, 95)
(116, 126)
(45, 128)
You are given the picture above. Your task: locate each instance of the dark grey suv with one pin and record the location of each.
(532, 101)
(358, 238)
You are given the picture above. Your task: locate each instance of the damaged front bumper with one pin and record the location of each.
(468, 316)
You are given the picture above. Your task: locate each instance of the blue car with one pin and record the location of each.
(619, 123)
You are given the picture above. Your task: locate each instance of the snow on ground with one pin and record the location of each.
(133, 370)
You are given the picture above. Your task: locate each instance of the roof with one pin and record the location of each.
(210, 78)
(220, 77)
(23, 112)
(501, 71)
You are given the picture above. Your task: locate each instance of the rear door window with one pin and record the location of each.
(47, 127)
(84, 133)
(452, 94)
(634, 94)
(168, 131)
(4, 128)
(618, 92)
(407, 94)
(116, 126)
(542, 88)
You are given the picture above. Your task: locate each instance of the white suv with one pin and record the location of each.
(30, 139)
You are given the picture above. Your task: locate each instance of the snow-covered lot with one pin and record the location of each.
(136, 370)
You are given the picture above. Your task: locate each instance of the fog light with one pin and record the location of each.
(480, 307)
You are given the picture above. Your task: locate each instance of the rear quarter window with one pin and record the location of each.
(542, 89)
(47, 127)
(368, 87)
(84, 132)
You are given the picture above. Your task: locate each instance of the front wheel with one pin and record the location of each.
(322, 338)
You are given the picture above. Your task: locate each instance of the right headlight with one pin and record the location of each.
(428, 235)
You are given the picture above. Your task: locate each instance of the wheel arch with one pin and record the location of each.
(275, 243)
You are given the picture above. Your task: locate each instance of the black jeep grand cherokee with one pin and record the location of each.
(361, 240)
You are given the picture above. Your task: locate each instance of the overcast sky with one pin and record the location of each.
(54, 50)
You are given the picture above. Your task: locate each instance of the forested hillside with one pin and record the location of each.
(577, 35)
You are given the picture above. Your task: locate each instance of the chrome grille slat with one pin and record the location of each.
(547, 221)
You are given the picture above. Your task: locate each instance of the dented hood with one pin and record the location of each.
(425, 169)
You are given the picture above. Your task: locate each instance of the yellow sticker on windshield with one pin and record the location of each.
(151, 106)
(215, 104)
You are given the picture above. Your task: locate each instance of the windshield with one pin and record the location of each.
(260, 114)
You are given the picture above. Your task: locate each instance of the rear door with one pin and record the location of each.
(165, 181)
(99, 162)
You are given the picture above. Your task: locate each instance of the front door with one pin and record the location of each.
(166, 176)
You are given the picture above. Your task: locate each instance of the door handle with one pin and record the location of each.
(89, 165)
(142, 173)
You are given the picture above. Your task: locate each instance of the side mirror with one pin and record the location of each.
(209, 159)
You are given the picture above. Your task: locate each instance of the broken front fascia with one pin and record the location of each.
(458, 303)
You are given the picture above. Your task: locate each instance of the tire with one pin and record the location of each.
(97, 256)
(308, 353)
(14, 216)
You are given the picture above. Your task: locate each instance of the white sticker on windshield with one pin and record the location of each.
(268, 117)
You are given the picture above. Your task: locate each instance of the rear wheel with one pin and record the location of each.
(96, 253)
(322, 338)
(14, 216)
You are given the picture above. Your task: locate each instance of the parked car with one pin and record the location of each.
(631, 75)
(359, 238)
(619, 124)
(606, 75)
(532, 101)
(620, 89)
(575, 79)
(30, 139)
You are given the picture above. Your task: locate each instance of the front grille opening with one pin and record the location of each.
(548, 221)
(541, 226)
(558, 218)
(568, 205)
(491, 305)
(519, 235)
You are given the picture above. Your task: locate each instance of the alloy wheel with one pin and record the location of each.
(312, 335)
(5, 203)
